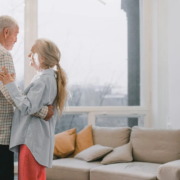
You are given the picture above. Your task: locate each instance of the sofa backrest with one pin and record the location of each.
(111, 137)
(155, 145)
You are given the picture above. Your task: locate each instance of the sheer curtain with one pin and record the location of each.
(155, 42)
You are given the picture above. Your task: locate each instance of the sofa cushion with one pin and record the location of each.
(111, 137)
(156, 146)
(67, 138)
(119, 155)
(70, 169)
(93, 153)
(125, 171)
(169, 171)
(84, 140)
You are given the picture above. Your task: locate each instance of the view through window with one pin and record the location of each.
(92, 37)
(99, 42)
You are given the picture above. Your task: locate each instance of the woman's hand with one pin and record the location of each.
(5, 77)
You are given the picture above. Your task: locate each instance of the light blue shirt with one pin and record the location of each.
(32, 131)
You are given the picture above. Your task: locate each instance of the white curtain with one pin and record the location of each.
(155, 49)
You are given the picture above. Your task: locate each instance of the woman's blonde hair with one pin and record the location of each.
(50, 56)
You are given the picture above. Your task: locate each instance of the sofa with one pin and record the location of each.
(156, 156)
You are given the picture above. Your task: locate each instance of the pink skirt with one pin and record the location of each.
(29, 168)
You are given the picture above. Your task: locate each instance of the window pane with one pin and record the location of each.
(118, 121)
(93, 38)
(69, 121)
(15, 9)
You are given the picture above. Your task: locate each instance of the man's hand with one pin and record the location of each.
(5, 77)
(50, 113)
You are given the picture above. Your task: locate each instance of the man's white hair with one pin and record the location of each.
(7, 22)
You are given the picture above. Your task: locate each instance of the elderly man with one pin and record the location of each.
(8, 37)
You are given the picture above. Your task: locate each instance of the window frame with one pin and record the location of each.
(31, 34)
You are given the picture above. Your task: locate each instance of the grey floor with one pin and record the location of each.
(15, 177)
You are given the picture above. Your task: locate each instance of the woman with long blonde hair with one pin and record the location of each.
(32, 137)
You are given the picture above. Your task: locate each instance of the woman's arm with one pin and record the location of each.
(42, 113)
(6, 61)
(30, 103)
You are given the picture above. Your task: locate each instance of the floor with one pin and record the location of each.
(15, 177)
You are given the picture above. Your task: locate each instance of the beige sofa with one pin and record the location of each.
(156, 155)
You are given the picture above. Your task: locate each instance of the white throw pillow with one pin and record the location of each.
(119, 155)
(93, 153)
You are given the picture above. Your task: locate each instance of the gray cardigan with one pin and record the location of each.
(35, 132)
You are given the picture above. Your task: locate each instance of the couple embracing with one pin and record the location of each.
(29, 129)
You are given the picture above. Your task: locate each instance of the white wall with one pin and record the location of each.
(174, 62)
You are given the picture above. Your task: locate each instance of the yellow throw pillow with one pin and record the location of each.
(84, 140)
(65, 143)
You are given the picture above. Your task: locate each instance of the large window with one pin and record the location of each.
(99, 42)
(100, 45)
(92, 36)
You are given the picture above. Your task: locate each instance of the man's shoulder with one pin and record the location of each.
(4, 52)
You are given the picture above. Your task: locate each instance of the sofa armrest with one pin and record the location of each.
(169, 171)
